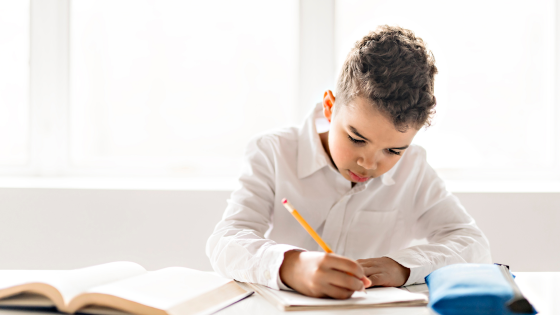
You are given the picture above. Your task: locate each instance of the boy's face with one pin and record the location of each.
(362, 142)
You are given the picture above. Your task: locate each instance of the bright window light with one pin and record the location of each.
(180, 85)
(14, 82)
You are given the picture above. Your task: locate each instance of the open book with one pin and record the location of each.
(119, 287)
(375, 297)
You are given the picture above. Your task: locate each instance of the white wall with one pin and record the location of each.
(523, 228)
(70, 228)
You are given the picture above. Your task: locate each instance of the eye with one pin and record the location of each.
(356, 141)
(391, 151)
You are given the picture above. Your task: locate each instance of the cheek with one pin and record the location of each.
(342, 151)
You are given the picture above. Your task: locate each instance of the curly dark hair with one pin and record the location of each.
(393, 69)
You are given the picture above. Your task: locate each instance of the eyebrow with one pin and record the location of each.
(359, 135)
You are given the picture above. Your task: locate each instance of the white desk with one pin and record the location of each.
(542, 289)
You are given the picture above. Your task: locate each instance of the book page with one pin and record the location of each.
(77, 281)
(163, 289)
(12, 278)
(66, 283)
(27, 300)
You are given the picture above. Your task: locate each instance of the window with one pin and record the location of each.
(14, 83)
(178, 85)
(177, 88)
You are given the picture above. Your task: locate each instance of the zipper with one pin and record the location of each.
(518, 303)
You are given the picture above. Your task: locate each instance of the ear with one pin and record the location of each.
(328, 104)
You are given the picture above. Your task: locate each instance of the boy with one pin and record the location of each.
(353, 174)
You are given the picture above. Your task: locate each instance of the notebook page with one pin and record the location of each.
(163, 288)
(374, 296)
(418, 288)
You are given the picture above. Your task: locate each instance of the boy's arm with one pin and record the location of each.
(453, 237)
(452, 234)
(238, 248)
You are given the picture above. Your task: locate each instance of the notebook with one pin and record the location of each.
(375, 297)
(119, 287)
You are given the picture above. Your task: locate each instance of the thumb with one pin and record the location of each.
(366, 281)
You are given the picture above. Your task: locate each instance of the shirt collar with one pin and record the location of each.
(311, 154)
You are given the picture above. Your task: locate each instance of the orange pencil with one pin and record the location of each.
(309, 229)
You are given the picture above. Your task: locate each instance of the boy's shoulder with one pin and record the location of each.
(279, 138)
(415, 152)
(413, 168)
(412, 163)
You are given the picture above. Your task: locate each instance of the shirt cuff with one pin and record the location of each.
(419, 266)
(271, 262)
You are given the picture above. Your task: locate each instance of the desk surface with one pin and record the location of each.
(542, 289)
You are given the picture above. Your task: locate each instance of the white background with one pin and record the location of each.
(176, 88)
(50, 132)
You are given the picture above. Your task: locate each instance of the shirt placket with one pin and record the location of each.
(334, 224)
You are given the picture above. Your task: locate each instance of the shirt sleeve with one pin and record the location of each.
(238, 248)
(451, 232)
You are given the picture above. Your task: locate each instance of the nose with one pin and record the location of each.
(369, 162)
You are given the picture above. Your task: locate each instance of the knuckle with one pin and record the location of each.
(325, 259)
(358, 269)
(318, 274)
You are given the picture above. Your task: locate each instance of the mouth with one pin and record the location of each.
(357, 178)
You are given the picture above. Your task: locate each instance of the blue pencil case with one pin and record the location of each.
(472, 289)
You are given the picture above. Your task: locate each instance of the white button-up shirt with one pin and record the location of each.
(379, 217)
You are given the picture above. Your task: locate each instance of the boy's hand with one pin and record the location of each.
(322, 275)
(384, 272)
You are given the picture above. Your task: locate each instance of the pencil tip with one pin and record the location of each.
(284, 200)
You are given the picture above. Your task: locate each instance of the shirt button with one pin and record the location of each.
(267, 274)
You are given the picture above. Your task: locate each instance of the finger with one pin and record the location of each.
(371, 262)
(366, 262)
(343, 280)
(378, 279)
(368, 271)
(366, 282)
(345, 265)
(336, 292)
